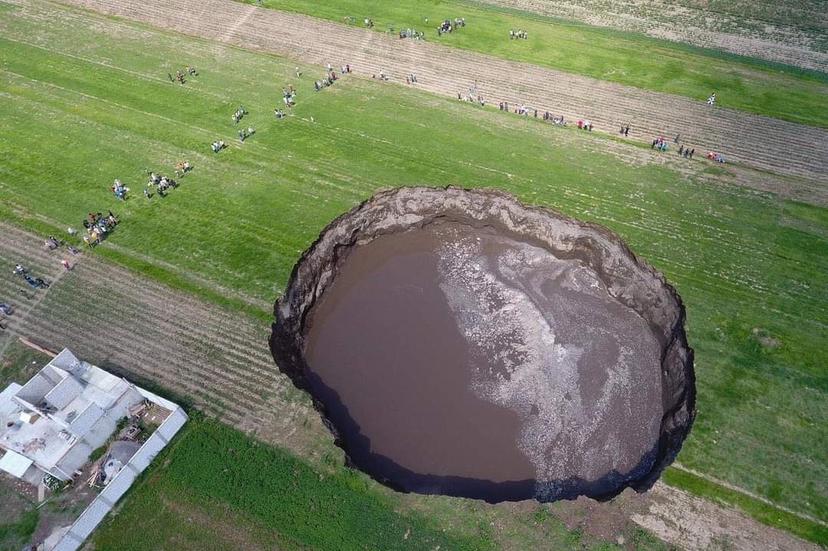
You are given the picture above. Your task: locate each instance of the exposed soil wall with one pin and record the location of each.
(627, 279)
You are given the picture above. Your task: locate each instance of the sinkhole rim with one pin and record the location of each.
(637, 284)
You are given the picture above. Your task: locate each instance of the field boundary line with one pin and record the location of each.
(110, 102)
(143, 76)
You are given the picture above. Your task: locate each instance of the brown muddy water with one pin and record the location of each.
(458, 359)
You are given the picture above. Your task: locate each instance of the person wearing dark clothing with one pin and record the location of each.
(681, 149)
(692, 151)
(627, 131)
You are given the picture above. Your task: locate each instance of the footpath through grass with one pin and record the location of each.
(743, 83)
(85, 99)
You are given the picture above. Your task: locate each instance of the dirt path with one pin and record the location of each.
(783, 43)
(692, 523)
(762, 142)
(220, 361)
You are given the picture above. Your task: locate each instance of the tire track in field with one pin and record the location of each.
(759, 141)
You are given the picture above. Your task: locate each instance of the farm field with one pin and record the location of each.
(86, 100)
(778, 91)
(760, 142)
(792, 32)
(194, 356)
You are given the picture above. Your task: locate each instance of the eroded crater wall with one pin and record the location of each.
(521, 297)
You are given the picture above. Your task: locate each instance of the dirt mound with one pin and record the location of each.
(459, 342)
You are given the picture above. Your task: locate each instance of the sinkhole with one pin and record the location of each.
(459, 342)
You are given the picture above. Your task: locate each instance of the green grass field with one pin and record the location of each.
(741, 83)
(85, 99)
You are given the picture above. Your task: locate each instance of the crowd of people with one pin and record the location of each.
(34, 282)
(448, 25)
(686, 152)
(51, 243)
(326, 81)
(161, 184)
(181, 76)
(412, 33)
(98, 227)
(547, 116)
(120, 190)
(381, 75)
(525, 111)
(182, 168)
(659, 144)
(472, 99)
(239, 114)
(245, 133)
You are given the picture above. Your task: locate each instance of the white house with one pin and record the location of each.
(52, 423)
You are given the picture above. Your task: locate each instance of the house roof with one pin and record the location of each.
(86, 420)
(15, 464)
(64, 392)
(7, 405)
